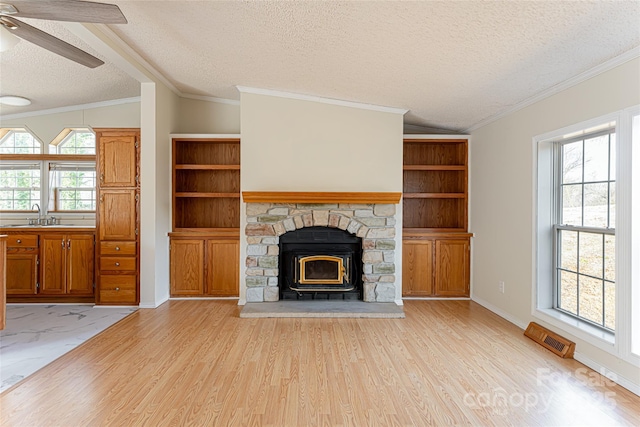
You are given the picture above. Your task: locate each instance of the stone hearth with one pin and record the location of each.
(374, 223)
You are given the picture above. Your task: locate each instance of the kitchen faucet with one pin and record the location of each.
(39, 214)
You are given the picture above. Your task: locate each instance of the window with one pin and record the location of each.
(18, 141)
(73, 186)
(53, 182)
(585, 228)
(75, 141)
(587, 188)
(19, 186)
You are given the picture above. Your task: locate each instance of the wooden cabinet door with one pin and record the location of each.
(117, 161)
(80, 264)
(222, 268)
(187, 267)
(22, 274)
(117, 212)
(53, 263)
(452, 267)
(417, 268)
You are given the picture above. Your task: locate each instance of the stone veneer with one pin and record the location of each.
(374, 223)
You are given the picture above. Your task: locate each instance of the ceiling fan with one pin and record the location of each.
(58, 10)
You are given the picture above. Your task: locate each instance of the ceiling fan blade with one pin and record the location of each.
(69, 10)
(51, 43)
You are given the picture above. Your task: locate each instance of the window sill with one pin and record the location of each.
(602, 339)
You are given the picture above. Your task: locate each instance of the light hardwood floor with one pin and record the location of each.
(197, 363)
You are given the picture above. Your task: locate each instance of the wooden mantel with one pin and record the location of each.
(320, 197)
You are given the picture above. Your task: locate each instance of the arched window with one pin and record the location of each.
(18, 141)
(75, 141)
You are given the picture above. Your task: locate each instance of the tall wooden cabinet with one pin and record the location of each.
(436, 244)
(204, 244)
(118, 216)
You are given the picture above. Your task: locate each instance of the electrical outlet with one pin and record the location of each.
(501, 287)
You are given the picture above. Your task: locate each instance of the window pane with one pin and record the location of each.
(596, 159)
(595, 205)
(572, 204)
(610, 258)
(78, 142)
(610, 305)
(568, 293)
(612, 161)
(19, 188)
(569, 250)
(572, 162)
(591, 299)
(612, 205)
(19, 142)
(591, 247)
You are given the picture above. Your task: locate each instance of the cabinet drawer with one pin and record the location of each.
(117, 248)
(22, 241)
(118, 289)
(118, 263)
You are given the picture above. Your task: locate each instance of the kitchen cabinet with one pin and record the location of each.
(67, 264)
(22, 264)
(118, 216)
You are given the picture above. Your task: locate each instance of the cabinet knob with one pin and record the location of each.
(117, 264)
(117, 289)
(117, 248)
(18, 241)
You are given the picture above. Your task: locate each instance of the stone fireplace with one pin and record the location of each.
(373, 224)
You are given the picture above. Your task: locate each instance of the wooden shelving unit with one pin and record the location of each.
(436, 243)
(206, 184)
(435, 184)
(206, 217)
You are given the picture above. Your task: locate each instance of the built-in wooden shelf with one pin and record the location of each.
(206, 184)
(434, 167)
(208, 167)
(320, 197)
(434, 195)
(209, 195)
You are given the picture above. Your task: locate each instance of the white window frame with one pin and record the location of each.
(544, 202)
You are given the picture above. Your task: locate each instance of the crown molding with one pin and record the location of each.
(599, 69)
(72, 108)
(331, 101)
(210, 99)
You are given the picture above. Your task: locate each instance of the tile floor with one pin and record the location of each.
(37, 334)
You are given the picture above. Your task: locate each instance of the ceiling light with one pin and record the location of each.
(7, 40)
(16, 101)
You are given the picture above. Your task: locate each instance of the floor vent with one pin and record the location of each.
(550, 340)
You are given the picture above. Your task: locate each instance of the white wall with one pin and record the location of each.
(159, 119)
(501, 199)
(299, 145)
(47, 126)
(195, 116)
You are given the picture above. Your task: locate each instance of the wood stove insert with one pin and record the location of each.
(320, 263)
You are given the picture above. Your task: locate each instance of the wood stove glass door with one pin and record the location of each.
(321, 269)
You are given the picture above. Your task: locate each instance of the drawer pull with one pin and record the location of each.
(117, 289)
(18, 241)
(117, 264)
(117, 248)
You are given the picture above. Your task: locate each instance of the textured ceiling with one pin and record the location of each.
(51, 81)
(453, 64)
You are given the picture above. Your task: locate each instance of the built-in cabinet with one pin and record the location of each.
(51, 265)
(118, 216)
(436, 244)
(204, 244)
(67, 264)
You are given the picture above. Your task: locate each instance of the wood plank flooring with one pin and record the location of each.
(196, 363)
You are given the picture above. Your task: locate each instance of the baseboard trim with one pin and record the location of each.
(619, 379)
(499, 312)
